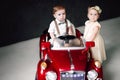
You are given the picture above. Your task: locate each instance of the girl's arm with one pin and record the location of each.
(94, 33)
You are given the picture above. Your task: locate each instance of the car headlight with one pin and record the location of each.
(98, 64)
(43, 65)
(51, 75)
(92, 75)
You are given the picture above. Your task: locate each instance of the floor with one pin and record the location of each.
(19, 61)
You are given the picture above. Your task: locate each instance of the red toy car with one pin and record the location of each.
(67, 63)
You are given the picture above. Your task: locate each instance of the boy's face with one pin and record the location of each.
(60, 15)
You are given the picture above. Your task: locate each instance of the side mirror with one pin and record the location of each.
(90, 43)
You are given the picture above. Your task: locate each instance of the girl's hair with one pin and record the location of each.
(97, 8)
(58, 7)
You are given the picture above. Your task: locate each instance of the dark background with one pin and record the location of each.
(26, 19)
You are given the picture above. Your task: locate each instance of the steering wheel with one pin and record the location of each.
(66, 38)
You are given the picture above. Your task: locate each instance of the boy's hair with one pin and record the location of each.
(58, 7)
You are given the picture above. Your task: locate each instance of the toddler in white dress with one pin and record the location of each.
(92, 33)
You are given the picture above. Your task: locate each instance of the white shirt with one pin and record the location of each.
(62, 27)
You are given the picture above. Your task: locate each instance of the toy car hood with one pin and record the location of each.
(68, 59)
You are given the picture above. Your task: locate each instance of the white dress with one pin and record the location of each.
(98, 52)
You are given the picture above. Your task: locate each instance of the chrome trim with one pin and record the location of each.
(72, 75)
(71, 61)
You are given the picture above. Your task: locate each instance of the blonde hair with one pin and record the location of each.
(58, 7)
(97, 8)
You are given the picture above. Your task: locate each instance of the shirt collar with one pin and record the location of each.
(59, 23)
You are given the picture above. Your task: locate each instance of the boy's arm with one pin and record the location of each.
(52, 35)
(71, 30)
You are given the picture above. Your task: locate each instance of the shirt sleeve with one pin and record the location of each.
(86, 22)
(51, 27)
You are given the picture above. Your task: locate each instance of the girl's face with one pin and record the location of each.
(60, 15)
(93, 15)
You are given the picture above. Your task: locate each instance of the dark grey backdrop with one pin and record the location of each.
(26, 19)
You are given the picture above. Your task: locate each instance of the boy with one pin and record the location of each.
(60, 26)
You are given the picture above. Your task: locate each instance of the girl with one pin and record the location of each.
(92, 33)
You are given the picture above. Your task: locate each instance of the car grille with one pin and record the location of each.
(75, 75)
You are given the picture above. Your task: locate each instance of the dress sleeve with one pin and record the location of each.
(97, 24)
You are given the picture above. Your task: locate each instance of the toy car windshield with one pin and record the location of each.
(66, 38)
